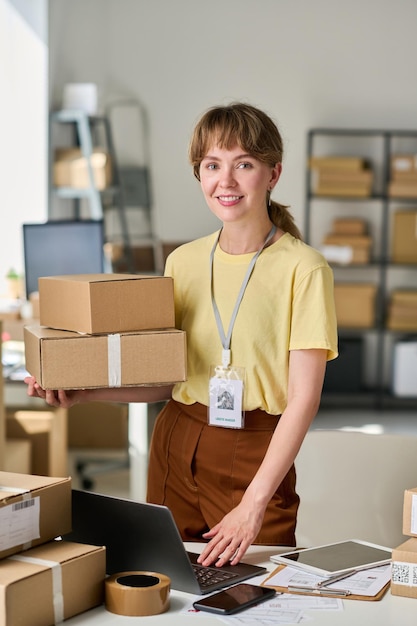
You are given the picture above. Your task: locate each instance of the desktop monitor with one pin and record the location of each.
(62, 247)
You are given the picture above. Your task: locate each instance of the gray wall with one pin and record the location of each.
(308, 63)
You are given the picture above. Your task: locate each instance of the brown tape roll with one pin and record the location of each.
(137, 593)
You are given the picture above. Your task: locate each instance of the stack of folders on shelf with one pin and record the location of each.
(352, 569)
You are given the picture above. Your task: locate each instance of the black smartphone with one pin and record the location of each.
(234, 599)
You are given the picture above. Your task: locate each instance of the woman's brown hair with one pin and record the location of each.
(254, 131)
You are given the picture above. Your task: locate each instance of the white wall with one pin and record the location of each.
(23, 125)
(308, 63)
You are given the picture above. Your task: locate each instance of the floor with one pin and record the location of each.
(118, 481)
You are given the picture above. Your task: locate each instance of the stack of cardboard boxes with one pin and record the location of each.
(402, 310)
(348, 242)
(43, 580)
(403, 181)
(348, 176)
(105, 330)
(404, 557)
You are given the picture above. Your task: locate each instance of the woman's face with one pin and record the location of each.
(235, 184)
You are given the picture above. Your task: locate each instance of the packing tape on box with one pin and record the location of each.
(137, 593)
(57, 593)
(114, 361)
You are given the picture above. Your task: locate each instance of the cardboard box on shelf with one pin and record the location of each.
(402, 189)
(98, 425)
(404, 563)
(51, 583)
(410, 513)
(70, 168)
(358, 245)
(47, 433)
(355, 304)
(403, 164)
(404, 236)
(39, 506)
(106, 303)
(330, 162)
(349, 226)
(67, 360)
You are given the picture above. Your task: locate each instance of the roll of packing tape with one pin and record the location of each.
(137, 593)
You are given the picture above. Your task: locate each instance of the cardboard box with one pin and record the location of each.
(61, 359)
(403, 572)
(18, 456)
(98, 425)
(32, 593)
(39, 506)
(47, 433)
(106, 303)
(358, 245)
(410, 512)
(355, 304)
(349, 226)
(403, 163)
(70, 168)
(404, 237)
(402, 189)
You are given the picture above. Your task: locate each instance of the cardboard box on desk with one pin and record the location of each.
(33, 510)
(404, 568)
(410, 512)
(106, 303)
(47, 432)
(44, 585)
(66, 360)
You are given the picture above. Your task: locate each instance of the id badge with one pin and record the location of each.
(226, 397)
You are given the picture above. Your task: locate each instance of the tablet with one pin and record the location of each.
(335, 559)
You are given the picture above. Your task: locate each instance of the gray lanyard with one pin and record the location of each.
(226, 339)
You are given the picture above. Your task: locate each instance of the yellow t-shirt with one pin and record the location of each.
(288, 305)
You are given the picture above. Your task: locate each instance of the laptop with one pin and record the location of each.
(142, 536)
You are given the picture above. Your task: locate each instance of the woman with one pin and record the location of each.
(257, 306)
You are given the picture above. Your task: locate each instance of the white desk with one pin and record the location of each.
(390, 611)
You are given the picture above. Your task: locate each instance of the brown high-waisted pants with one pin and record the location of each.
(201, 472)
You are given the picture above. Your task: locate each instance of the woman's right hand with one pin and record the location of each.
(57, 398)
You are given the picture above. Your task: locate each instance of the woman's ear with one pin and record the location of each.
(276, 173)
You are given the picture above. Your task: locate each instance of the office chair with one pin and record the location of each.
(351, 486)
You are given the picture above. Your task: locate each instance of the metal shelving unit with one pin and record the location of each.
(377, 207)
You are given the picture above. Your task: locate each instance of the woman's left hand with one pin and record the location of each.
(230, 538)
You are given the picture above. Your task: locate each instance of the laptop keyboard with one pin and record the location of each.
(208, 576)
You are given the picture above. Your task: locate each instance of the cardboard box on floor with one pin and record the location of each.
(98, 425)
(67, 360)
(32, 595)
(106, 303)
(33, 510)
(404, 565)
(355, 304)
(47, 432)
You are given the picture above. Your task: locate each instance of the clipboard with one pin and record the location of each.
(322, 592)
